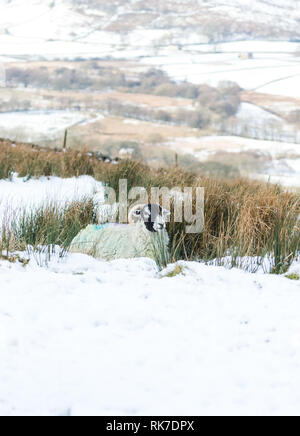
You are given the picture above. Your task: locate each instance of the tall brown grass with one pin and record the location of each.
(32, 161)
(242, 217)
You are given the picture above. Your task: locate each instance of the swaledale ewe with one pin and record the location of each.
(144, 236)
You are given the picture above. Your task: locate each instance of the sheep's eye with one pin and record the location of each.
(138, 212)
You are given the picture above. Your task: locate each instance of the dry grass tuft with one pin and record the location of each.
(242, 217)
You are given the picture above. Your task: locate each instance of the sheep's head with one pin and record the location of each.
(152, 215)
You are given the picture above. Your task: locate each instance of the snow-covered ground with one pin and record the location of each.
(22, 195)
(236, 144)
(272, 72)
(282, 159)
(59, 30)
(258, 123)
(251, 113)
(80, 336)
(276, 75)
(283, 171)
(83, 336)
(274, 68)
(34, 126)
(35, 27)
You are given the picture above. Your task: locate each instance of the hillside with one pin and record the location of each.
(88, 66)
(63, 27)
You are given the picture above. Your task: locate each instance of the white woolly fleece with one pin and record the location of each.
(117, 241)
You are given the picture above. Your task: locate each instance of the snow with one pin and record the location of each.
(283, 168)
(294, 164)
(282, 158)
(258, 122)
(234, 144)
(273, 70)
(295, 268)
(85, 337)
(252, 74)
(286, 87)
(36, 26)
(36, 125)
(250, 113)
(23, 195)
(286, 180)
(131, 121)
(258, 46)
(284, 171)
(58, 30)
(80, 336)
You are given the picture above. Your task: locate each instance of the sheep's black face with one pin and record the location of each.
(154, 217)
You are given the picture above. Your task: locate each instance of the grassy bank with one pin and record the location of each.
(242, 217)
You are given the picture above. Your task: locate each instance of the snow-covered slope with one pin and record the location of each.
(170, 35)
(63, 27)
(24, 194)
(88, 337)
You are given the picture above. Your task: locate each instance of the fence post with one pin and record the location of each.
(65, 140)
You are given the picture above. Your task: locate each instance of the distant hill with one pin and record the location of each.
(215, 19)
(132, 24)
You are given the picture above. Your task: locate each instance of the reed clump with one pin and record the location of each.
(242, 217)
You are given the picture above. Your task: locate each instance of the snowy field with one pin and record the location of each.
(250, 113)
(284, 171)
(80, 336)
(58, 30)
(284, 158)
(236, 144)
(271, 73)
(31, 126)
(85, 337)
(22, 195)
(254, 122)
(259, 121)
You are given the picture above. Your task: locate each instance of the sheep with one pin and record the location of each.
(144, 236)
